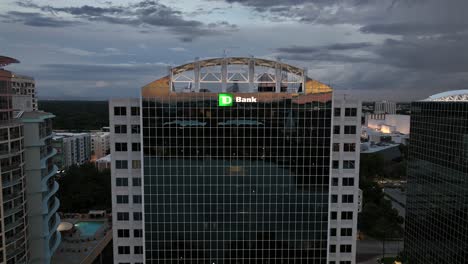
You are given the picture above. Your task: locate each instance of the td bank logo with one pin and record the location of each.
(225, 99)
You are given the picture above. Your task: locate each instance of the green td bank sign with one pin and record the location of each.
(225, 99)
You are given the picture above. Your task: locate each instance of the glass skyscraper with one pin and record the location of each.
(245, 183)
(236, 167)
(437, 194)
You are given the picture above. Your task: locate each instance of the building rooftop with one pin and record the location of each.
(4, 61)
(35, 115)
(450, 96)
(367, 148)
(107, 158)
(59, 135)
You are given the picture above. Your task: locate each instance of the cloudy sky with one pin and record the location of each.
(377, 49)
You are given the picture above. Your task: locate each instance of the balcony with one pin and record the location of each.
(46, 178)
(15, 237)
(54, 243)
(53, 225)
(49, 194)
(48, 156)
(12, 196)
(13, 181)
(13, 225)
(52, 206)
(14, 210)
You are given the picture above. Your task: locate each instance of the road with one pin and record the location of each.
(368, 251)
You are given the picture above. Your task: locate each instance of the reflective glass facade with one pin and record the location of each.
(247, 183)
(437, 202)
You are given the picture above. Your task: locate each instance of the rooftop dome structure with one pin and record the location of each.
(236, 74)
(449, 96)
(4, 61)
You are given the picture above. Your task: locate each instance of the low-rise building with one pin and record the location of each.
(385, 107)
(104, 163)
(72, 149)
(386, 128)
(100, 144)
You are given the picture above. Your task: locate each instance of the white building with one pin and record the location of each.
(104, 162)
(344, 181)
(14, 246)
(41, 187)
(100, 144)
(385, 107)
(385, 128)
(127, 224)
(25, 86)
(72, 149)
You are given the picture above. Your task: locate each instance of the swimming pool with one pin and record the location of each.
(88, 228)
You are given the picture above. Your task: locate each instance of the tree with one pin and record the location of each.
(378, 218)
(372, 165)
(84, 188)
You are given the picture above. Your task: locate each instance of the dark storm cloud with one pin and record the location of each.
(99, 71)
(436, 55)
(336, 47)
(95, 81)
(415, 28)
(144, 13)
(36, 19)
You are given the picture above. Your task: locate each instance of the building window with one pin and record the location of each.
(334, 215)
(136, 164)
(345, 262)
(121, 181)
(138, 233)
(345, 248)
(334, 198)
(349, 147)
(136, 147)
(123, 216)
(123, 233)
(121, 164)
(348, 181)
(138, 249)
(120, 146)
(337, 111)
(347, 215)
(350, 130)
(122, 199)
(334, 181)
(336, 130)
(336, 164)
(351, 112)
(346, 232)
(348, 164)
(120, 110)
(332, 248)
(135, 129)
(336, 147)
(137, 199)
(137, 216)
(347, 198)
(135, 110)
(136, 181)
(120, 129)
(124, 250)
(332, 231)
